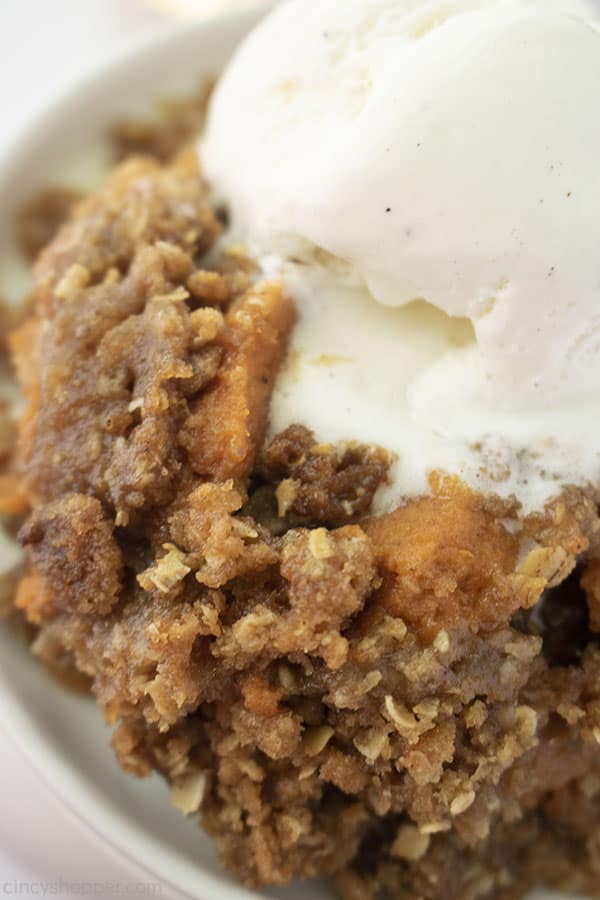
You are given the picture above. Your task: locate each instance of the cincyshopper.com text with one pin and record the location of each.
(61, 887)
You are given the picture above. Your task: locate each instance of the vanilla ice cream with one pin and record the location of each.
(424, 177)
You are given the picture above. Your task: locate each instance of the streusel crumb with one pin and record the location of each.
(408, 703)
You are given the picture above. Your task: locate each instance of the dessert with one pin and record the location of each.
(323, 566)
(435, 158)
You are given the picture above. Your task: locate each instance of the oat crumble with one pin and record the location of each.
(409, 704)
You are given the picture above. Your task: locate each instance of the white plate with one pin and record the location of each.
(63, 734)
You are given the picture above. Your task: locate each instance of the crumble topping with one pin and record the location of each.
(177, 121)
(408, 704)
(42, 216)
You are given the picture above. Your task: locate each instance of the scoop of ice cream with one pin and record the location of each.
(448, 152)
(423, 176)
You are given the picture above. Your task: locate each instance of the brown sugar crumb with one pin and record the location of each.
(120, 345)
(322, 594)
(177, 121)
(75, 555)
(141, 205)
(217, 288)
(42, 216)
(220, 546)
(408, 703)
(344, 771)
(260, 697)
(319, 483)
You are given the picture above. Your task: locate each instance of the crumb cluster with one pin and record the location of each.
(407, 704)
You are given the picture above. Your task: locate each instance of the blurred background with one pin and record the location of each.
(46, 45)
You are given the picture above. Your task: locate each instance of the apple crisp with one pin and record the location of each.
(408, 704)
